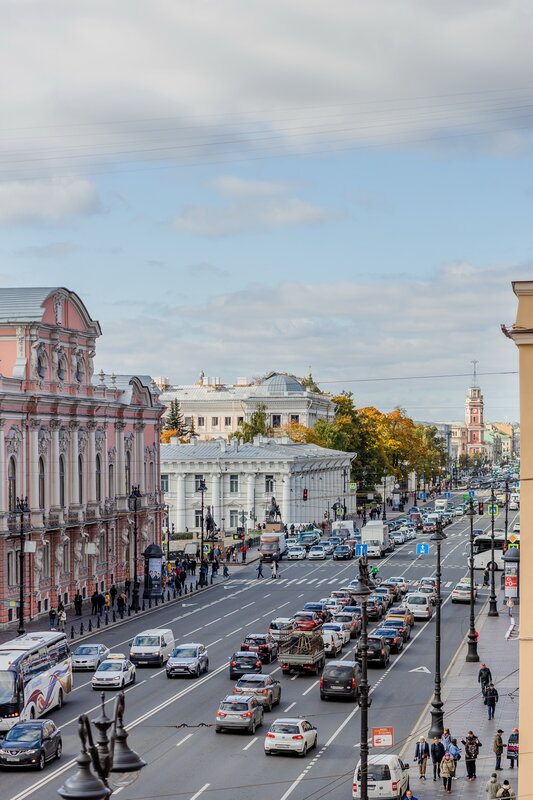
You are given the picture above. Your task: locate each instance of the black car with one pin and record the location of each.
(319, 608)
(342, 553)
(340, 679)
(400, 626)
(376, 601)
(378, 650)
(31, 744)
(244, 662)
(392, 636)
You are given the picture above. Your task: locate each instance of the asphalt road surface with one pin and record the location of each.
(171, 721)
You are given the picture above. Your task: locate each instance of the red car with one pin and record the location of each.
(307, 621)
(263, 644)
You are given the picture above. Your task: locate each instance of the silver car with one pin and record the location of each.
(265, 689)
(241, 712)
(189, 658)
(89, 656)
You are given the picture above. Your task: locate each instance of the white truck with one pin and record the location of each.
(272, 545)
(443, 505)
(376, 537)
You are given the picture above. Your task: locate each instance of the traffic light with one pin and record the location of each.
(480, 508)
(305, 494)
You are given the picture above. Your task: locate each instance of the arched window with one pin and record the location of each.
(98, 466)
(127, 472)
(111, 479)
(62, 481)
(12, 484)
(41, 484)
(80, 480)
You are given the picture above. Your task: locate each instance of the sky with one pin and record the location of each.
(279, 185)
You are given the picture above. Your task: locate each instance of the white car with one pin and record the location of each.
(459, 511)
(317, 553)
(296, 553)
(516, 527)
(461, 592)
(400, 581)
(89, 656)
(341, 626)
(291, 735)
(114, 673)
(328, 546)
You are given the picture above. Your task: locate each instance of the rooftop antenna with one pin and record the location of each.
(474, 375)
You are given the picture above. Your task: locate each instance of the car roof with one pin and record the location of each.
(289, 720)
(340, 663)
(254, 676)
(245, 653)
(235, 698)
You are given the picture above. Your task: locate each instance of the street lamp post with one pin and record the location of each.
(506, 512)
(384, 503)
(110, 760)
(133, 500)
(437, 714)
(19, 527)
(493, 608)
(202, 488)
(472, 654)
(362, 592)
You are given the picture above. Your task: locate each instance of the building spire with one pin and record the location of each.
(474, 374)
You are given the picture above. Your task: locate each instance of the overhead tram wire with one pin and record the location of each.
(413, 377)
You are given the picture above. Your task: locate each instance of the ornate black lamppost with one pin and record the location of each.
(133, 501)
(19, 524)
(203, 576)
(384, 503)
(437, 714)
(472, 654)
(493, 608)
(110, 760)
(362, 592)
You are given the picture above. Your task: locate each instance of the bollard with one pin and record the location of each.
(90, 626)
(143, 605)
(197, 584)
(162, 597)
(156, 600)
(211, 579)
(106, 618)
(149, 602)
(121, 612)
(184, 589)
(174, 593)
(81, 628)
(168, 595)
(114, 616)
(129, 611)
(72, 631)
(98, 621)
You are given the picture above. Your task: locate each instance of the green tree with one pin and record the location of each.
(174, 419)
(258, 424)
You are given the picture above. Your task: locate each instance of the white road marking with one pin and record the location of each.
(246, 606)
(267, 595)
(235, 631)
(183, 740)
(252, 621)
(215, 642)
(254, 740)
(310, 688)
(321, 581)
(207, 624)
(230, 613)
(199, 792)
(289, 708)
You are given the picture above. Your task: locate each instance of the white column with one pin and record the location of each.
(119, 465)
(250, 497)
(90, 466)
(139, 455)
(180, 504)
(35, 424)
(53, 466)
(215, 483)
(104, 460)
(3, 477)
(286, 499)
(74, 485)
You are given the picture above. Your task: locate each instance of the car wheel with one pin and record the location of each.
(268, 752)
(32, 714)
(122, 685)
(316, 741)
(169, 675)
(42, 761)
(304, 752)
(197, 672)
(134, 677)
(218, 730)
(59, 750)
(323, 696)
(59, 699)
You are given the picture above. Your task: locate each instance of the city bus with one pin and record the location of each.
(483, 549)
(35, 676)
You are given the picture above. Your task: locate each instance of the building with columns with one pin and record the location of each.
(305, 479)
(73, 445)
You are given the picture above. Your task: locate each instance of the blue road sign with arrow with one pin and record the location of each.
(422, 549)
(361, 549)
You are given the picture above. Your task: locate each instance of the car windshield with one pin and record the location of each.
(254, 640)
(23, 733)
(417, 601)
(313, 606)
(279, 626)
(252, 681)
(342, 548)
(283, 727)
(146, 641)
(343, 618)
(330, 627)
(337, 672)
(110, 666)
(184, 652)
(377, 772)
(245, 657)
(234, 706)
(7, 686)
(86, 650)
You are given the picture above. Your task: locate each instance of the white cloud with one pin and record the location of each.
(349, 330)
(28, 202)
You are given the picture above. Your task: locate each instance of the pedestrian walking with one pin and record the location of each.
(259, 569)
(447, 772)
(446, 739)
(101, 604)
(78, 604)
(193, 566)
(472, 745)
(113, 594)
(120, 605)
(225, 571)
(497, 747)
(274, 569)
(52, 616)
(437, 754)
(512, 748)
(492, 787)
(107, 601)
(484, 677)
(127, 587)
(94, 602)
(243, 553)
(486, 577)
(61, 619)
(491, 698)
(506, 791)
(421, 757)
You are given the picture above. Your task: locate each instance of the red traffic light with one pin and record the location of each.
(305, 494)
(480, 508)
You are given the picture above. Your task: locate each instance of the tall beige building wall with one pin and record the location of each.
(522, 335)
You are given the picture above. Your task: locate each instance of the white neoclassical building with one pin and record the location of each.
(305, 479)
(216, 409)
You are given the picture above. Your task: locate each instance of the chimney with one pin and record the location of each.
(193, 441)
(235, 442)
(223, 445)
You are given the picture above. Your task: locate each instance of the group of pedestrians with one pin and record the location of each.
(445, 752)
(274, 569)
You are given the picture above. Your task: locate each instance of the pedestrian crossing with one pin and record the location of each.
(314, 582)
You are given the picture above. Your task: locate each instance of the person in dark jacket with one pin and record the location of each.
(491, 698)
(497, 747)
(94, 602)
(113, 595)
(421, 757)
(484, 677)
(437, 754)
(512, 748)
(472, 745)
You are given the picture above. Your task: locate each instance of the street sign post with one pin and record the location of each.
(383, 737)
(361, 549)
(422, 549)
(206, 548)
(493, 510)
(447, 495)
(421, 495)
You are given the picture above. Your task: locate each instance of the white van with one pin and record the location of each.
(281, 628)
(333, 642)
(514, 501)
(419, 605)
(388, 777)
(152, 647)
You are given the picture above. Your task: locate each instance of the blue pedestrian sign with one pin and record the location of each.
(447, 495)
(472, 493)
(517, 485)
(421, 495)
(422, 549)
(493, 510)
(361, 549)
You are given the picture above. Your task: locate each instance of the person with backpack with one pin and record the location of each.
(472, 745)
(491, 698)
(259, 569)
(447, 772)
(506, 791)
(497, 747)
(492, 787)
(455, 752)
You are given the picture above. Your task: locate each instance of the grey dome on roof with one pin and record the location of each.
(277, 383)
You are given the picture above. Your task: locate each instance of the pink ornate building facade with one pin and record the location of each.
(73, 444)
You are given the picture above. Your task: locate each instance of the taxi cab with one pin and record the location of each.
(114, 673)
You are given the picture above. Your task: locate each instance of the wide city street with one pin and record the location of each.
(171, 722)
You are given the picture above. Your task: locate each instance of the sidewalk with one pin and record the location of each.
(464, 709)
